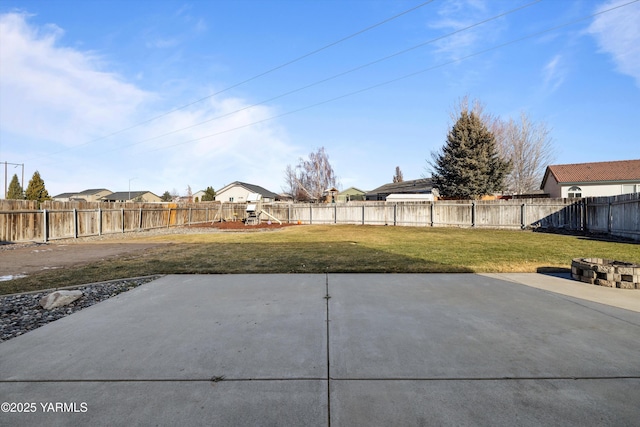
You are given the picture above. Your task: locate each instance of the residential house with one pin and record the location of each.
(92, 195)
(237, 192)
(422, 187)
(592, 179)
(197, 196)
(351, 194)
(132, 196)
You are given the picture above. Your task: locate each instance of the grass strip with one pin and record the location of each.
(340, 249)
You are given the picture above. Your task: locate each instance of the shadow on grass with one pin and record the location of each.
(235, 258)
(564, 273)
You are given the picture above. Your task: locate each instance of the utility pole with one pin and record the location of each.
(130, 179)
(5, 175)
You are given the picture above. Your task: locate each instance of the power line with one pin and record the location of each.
(385, 58)
(404, 77)
(264, 73)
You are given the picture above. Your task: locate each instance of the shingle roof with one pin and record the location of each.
(251, 187)
(622, 170)
(424, 185)
(64, 195)
(92, 191)
(125, 195)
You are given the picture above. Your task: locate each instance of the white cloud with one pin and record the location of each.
(618, 34)
(57, 99)
(554, 73)
(456, 15)
(54, 93)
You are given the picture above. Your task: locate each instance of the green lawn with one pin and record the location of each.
(342, 248)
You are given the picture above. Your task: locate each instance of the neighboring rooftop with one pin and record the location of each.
(622, 170)
(415, 186)
(252, 188)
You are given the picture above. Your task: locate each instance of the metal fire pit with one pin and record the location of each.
(606, 272)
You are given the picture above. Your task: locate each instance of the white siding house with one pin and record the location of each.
(237, 192)
(592, 179)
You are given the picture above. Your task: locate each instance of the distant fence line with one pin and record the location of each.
(616, 216)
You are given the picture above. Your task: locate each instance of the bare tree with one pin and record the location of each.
(526, 144)
(398, 175)
(530, 149)
(310, 178)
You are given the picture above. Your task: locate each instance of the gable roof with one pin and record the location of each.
(64, 195)
(125, 195)
(415, 186)
(92, 191)
(251, 187)
(352, 190)
(622, 170)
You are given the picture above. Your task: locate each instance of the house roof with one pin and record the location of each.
(415, 186)
(64, 195)
(92, 191)
(125, 195)
(622, 170)
(352, 190)
(251, 187)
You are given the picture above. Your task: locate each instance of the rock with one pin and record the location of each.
(59, 299)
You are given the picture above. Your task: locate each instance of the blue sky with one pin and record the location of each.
(80, 82)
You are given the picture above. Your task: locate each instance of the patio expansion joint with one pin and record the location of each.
(541, 378)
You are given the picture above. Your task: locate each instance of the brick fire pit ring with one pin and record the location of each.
(606, 272)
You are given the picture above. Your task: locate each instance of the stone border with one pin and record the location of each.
(606, 272)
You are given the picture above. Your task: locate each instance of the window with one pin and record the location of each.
(231, 199)
(575, 192)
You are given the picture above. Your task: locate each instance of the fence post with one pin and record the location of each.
(169, 218)
(99, 221)
(140, 223)
(363, 214)
(122, 212)
(609, 218)
(310, 214)
(45, 226)
(473, 213)
(189, 217)
(523, 216)
(75, 223)
(432, 215)
(395, 211)
(335, 213)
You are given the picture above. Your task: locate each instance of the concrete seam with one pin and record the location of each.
(327, 297)
(425, 379)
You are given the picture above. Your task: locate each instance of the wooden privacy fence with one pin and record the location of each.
(616, 216)
(61, 220)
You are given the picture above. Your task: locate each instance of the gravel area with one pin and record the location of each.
(22, 313)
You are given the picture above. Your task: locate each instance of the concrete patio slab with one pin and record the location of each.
(471, 326)
(563, 284)
(336, 349)
(184, 327)
(170, 403)
(585, 402)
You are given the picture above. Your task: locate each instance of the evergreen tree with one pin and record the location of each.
(36, 189)
(15, 189)
(468, 166)
(166, 197)
(209, 195)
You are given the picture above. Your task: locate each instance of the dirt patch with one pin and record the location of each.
(33, 258)
(24, 259)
